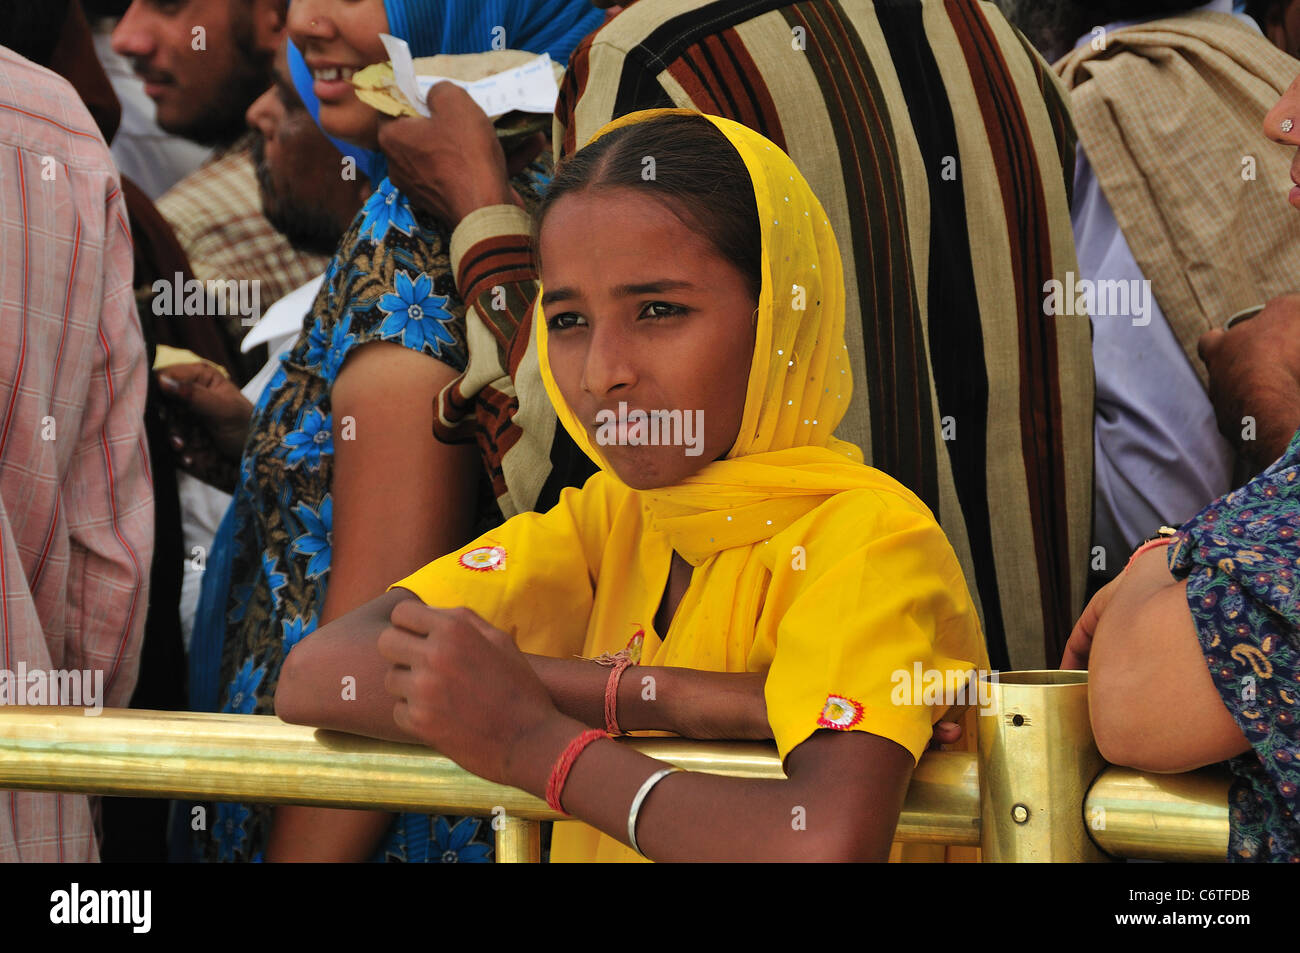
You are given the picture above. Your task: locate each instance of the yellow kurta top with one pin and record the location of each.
(863, 586)
(828, 574)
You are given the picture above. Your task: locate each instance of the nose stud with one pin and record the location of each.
(1287, 125)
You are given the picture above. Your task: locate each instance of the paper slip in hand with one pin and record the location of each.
(530, 87)
(399, 55)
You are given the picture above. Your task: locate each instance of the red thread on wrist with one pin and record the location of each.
(1162, 541)
(611, 696)
(560, 773)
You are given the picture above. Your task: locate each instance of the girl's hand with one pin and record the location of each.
(464, 688)
(944, 733)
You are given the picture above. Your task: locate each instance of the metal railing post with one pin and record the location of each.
(519, 841)
(1037, 761)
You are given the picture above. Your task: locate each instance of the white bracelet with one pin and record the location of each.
(637, 801)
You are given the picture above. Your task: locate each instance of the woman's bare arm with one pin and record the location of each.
(1146, 661)
(400, 500)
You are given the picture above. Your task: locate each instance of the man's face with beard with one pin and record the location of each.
(299, 172)
(203, 61)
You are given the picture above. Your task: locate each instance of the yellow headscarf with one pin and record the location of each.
(786, 459)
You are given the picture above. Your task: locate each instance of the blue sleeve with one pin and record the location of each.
(391, 281)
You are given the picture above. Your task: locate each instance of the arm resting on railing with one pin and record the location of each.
(1146, 661)
(334, 679)
(845, 788)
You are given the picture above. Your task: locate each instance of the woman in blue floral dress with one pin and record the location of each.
(348, 417)
(1193, 657)
(391, 282)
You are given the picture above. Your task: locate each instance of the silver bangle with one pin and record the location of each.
(637, 801)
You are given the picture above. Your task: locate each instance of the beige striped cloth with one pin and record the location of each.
(1170, 115)
(940, 144)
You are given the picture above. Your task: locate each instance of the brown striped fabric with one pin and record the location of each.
(939, 143)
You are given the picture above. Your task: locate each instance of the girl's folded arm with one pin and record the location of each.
(841, 801)
(335, 678)
(687, 702)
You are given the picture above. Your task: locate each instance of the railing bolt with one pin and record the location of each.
(1020, 814)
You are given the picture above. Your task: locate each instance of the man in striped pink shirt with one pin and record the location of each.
(76, 502)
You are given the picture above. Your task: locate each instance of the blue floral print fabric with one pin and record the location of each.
(1241, 558)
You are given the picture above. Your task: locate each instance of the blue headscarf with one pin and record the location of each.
(431, 27)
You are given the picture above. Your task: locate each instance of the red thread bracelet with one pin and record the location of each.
(1152, 544)
(560, 773)
(611, 695)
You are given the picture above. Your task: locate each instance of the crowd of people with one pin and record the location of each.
(990, 316)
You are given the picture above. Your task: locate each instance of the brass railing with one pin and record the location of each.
(1045, 793)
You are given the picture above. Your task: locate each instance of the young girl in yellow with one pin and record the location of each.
(770, 585)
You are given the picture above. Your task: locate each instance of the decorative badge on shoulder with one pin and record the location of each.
(485, 559)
